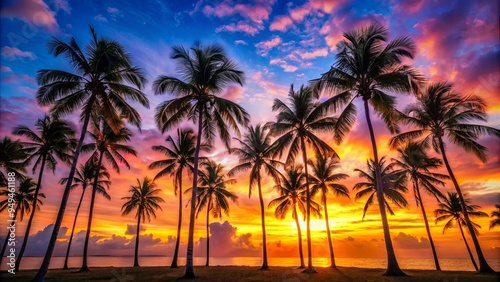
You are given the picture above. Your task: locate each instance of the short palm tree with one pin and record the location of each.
(180, 157)
(84, 177)
(52, 139)
(12, 157)
(440, 112)
(144, 199)
(23, 197)
(292, 194)
(496, 217)
(414, 161)
(324, 180)
(255, 154)
(205, 71)
(450, 209)
(298, 123)
(213, 195)
(104, 78)
(106, 144)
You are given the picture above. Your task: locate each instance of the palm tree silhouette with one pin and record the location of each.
(324, 180)
(496, 217)
(180, 156)
(52, 138)
(84, 177)
(451, 210)
(296, 124)
(205, 72)
(23, 197)
(255, 154)
(414, 161)
(12, 157)
(292, 194)
(213, 194)
(367, 66)
(440, 112)
(103, 79)
(144, 198)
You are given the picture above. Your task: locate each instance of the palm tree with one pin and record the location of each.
(52, 138)
(496, 217)
(23, 199)
(414, 161)
(12, 157)
(213, 194)
(451, 210)
(292, 193)
(104, 79)
(107, 144)
(144, 198)
(255, 153)
(180, 156)
(205, 72)
(296, 124)
(83, 178)
(324, 180)
(440, 112)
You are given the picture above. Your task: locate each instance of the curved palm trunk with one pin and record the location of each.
(329, 236)
(392, 263)
(8, 234)
(467, 246)
(309, 268)
(91, 212)
(73, 230)
(484, 267)
(301, 254)
(263, 222)
(30, 221)
(42, 271)
(189, 273)
(179, 224)
(136, 253)
(434, 254)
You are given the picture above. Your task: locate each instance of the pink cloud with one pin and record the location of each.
(239, 27)
(284, 65)
(5, 69)
(234, 93)
(281, 23)
(34, 12)
(299, 13)
(326, 5)
(410, 6)
(256, 13)
(16, 78)
(323, 52)
(100, 18)
(62, 5)
(240, 42)
(265, 46)
(13, 53)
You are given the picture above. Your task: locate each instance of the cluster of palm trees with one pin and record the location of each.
(368, 66)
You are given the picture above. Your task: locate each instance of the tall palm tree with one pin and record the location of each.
(104, 78)
(440, 112)
(23, 199)
(367, 66)
(213, 194)
(180, 156)
(12, 157)
(205, 72)
(144, 199)
(451, 210)
(255, 154)
(496, 217)
(414, 161)
(298, 123)
(106, 144)
(292, 194)
(84, 177)
(324, 180)
(52, 138)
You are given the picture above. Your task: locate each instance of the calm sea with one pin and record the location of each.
(105, 261)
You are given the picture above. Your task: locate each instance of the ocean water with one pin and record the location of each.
(111, 261)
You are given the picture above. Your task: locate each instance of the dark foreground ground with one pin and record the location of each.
(245, 273)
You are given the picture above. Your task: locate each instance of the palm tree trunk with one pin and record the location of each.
(91, 212)
(263, 222)
(189, 273)
(179, 224)
(136, 253)
(434, 254)
(301, 254)
(483, 264)
(392, 263)
(30, 221)
(208, 231)
(309, 268)
(42, 271)
(467, 246)
(73, 230)
(8, 234)
(329, 236)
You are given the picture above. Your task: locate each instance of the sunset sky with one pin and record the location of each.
(276, 43)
